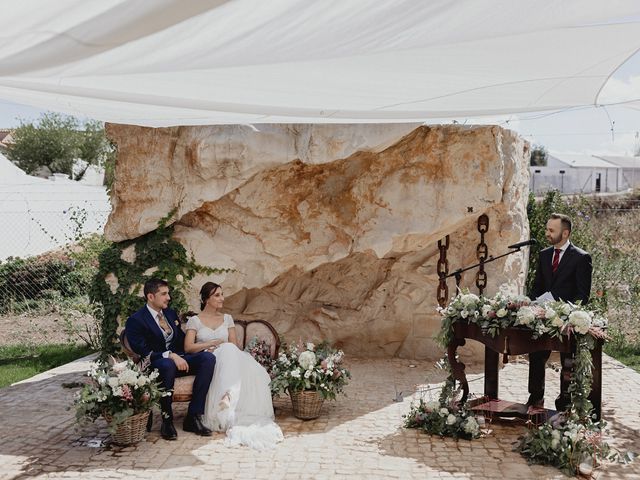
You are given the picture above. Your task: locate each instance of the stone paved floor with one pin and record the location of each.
(359, 436)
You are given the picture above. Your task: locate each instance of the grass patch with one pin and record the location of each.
(623, 350)
(18, 362)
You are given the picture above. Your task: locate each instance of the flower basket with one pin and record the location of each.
(306, 404)
(131, 430)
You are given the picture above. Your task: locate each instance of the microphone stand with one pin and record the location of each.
(458, 273)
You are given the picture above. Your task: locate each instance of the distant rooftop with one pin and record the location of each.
(583, 160)
(624, 162)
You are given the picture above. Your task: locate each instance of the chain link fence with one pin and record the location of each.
(47, 263)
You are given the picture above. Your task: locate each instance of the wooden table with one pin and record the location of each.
(518, 341)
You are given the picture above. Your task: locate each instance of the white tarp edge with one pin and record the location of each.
(181, 62)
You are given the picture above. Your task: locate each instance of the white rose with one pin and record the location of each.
(444, 411)
(464, 313)
(557, 321)
(471, 426)
(451, 419)
(501, 313)
(120, 367)
(566, 309)
(469, 299)
(549, 313)
(307, 360)
(179, 278)
(485, 310)
(580, 320)
(310, 346)
(525, 316)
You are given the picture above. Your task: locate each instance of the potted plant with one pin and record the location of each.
(310, 375)
(123, 394)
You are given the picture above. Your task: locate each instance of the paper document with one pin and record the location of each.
(545, 297)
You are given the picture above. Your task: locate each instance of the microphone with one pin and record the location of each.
(526, 243)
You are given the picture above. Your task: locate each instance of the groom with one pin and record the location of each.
(154, 331)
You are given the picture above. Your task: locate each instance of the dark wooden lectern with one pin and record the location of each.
(518, 341)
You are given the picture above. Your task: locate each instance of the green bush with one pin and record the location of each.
(43, 280)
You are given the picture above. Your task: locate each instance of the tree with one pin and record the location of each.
(56, 141)
(538, 156)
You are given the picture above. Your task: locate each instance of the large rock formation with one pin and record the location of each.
(332, 230)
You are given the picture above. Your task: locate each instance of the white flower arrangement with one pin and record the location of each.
(312, 367)
(117, 391)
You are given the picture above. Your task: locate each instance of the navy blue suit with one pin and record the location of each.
(146, 339)
(571, 282)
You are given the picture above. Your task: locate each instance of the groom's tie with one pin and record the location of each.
(556, 260)
(163, 323)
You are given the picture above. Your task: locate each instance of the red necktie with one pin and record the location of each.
(556, 259)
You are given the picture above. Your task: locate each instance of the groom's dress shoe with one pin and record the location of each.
(193, 423)
(167, 430)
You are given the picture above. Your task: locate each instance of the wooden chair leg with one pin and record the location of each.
(150, 421)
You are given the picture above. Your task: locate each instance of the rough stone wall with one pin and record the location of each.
(331, 229)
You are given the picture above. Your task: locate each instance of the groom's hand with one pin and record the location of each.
(181, 363)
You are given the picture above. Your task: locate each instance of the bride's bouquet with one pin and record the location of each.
(309, 367)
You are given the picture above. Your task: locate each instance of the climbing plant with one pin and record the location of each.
(126, 266)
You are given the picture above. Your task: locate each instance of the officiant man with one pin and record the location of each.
(564, 271)
(154, 331)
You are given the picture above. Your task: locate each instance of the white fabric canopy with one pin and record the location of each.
(185, 62)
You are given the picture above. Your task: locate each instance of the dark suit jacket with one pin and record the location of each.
(145, 336)
(572, 280)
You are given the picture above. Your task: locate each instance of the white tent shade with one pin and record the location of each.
(174, 62)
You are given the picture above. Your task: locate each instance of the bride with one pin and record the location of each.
(239, 398)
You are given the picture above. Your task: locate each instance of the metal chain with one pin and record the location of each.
(443, 271)
(482, 253)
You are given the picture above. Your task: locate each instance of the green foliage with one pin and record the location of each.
(117, 392)
(37, 283)
(55, 141)
(18, 362)
(538, 156)
(158, 255)
(307, 367)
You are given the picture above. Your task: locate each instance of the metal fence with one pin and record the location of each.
(48, 257)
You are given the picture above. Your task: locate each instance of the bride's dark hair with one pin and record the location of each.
(206, 291)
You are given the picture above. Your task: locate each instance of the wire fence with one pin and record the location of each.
(47, 262)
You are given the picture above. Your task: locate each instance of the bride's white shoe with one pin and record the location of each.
(225, 415)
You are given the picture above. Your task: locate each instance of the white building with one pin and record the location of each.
(630, 169)
(577, 174)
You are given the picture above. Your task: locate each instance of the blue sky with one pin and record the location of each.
(593, 130)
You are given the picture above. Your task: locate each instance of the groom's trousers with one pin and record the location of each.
(201, 365)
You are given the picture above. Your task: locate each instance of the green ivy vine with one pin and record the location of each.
(157, 254)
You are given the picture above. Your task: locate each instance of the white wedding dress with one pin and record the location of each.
(246, 413)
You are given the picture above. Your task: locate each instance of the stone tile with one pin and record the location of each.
(359, 436)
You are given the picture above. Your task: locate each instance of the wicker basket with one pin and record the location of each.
(306, 404)
(132, 430)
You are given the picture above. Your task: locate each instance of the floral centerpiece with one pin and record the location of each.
(574, 438)
(307, 371)
(121, 393)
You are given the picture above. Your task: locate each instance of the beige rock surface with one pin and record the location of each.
(337, 240)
